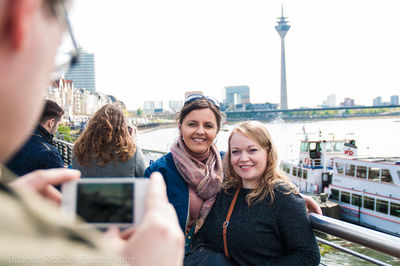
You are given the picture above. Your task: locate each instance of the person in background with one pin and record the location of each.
(31, 227)
(106, 148)
(193, 170)
(40, 152)
(269, 224)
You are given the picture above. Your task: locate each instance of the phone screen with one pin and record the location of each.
(105, 203)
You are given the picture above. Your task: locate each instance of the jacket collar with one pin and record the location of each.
(44, 134)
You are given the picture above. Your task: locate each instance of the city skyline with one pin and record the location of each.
(153, 50)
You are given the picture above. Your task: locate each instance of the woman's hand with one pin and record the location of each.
(311, 205)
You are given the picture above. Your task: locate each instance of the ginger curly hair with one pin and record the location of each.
(105, 138)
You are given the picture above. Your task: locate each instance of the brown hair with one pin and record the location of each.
(202, 103)
(106, 137)
(271, 178)
(51, 110)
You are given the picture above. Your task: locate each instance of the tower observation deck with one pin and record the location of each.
(282, 28)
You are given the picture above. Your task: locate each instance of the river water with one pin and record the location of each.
(374, 137)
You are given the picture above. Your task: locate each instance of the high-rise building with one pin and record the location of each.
(237, 95)
(152, 107)
(192, 92)
(377, 101)
(83, 73)
(282, 28)
(330, 101)
(347, 102)
(394, 99)
(175, 105)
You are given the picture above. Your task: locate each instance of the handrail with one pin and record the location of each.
(381, 242)
(352, 252)
(65, 149)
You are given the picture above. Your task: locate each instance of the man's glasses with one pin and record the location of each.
(195, 97)
(64, 60)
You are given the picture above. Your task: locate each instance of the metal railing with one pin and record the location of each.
(65, 149)
(369, 238)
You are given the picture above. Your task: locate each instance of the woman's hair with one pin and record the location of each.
(105, 138)
(202, 103)
(271, 178)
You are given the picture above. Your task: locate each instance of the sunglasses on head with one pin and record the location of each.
(195, 97)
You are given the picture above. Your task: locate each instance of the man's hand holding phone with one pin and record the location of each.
(158, 240)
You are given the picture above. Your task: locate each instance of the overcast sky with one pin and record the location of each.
(158, 49)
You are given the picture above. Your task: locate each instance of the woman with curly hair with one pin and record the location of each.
(106, 148)
(268, 224)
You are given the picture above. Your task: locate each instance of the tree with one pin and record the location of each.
(139, 111)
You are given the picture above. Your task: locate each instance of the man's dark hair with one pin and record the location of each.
(51, 110)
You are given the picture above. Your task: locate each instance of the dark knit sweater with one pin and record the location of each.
(262, 234)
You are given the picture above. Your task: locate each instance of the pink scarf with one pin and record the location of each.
(204, 178)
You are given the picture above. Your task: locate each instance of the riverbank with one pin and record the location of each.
(141, 129)
(316, 119)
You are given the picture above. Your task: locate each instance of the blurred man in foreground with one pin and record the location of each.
(31, 228)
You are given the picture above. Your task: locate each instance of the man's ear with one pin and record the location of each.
(51, 122)
(20, 21)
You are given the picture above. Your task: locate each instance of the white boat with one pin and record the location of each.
(312, 171)
(368, 191)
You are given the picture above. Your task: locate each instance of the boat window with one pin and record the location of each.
(373, 174)
(329, 147)
(340, 168)
(305, 172)
(356, 200)
(313, 146)
(334, 194)
(304, 147)
(288, 169)
(294, 171)
(299, 172)
(386, 176)
(338, 146)
(395, 209)
(369, 203)
(350, 169)
(345, 197)
(382, 206)
(361, 171)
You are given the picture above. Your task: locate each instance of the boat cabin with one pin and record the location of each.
(320, 153)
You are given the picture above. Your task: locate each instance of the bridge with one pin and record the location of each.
(304, 113)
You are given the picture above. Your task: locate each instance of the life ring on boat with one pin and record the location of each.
(306, 161)
(350, 153)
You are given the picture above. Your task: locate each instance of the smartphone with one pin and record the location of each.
(103, 202)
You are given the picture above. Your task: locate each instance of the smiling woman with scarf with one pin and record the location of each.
(193, 170)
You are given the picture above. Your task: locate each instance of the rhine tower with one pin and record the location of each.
(282, 28)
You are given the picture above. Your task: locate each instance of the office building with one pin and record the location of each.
(83, 73)
(237, 95)
(152, 107)
(394, 99)
(330, 101)
(175, 105)
(347, 102)
(377, 101)
(192, 92)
